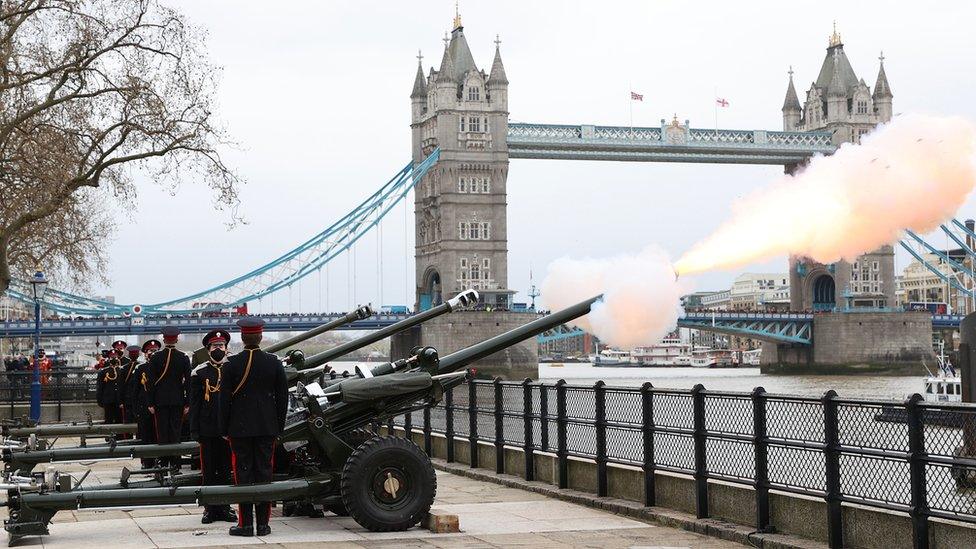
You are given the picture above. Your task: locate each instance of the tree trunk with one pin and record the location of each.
(4, 264)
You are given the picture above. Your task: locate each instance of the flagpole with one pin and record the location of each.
(630, 102)
(715, 106)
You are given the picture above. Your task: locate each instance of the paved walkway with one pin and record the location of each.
(490, 516)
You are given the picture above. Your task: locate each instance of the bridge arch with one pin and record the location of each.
(430, 289)
(824, 292)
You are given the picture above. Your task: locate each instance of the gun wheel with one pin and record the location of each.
(388, 484)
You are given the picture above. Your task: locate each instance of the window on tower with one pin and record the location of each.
(463, 230)
(462, 186)
(474, 93)
(474, 124)
(461, 125)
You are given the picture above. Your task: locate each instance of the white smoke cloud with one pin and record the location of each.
(641, 295)
(912, 173)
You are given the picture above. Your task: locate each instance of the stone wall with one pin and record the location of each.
(850, 343)
(454, 331)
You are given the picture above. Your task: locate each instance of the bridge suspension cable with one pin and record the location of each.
(279, 273)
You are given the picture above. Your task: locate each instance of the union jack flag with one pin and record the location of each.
(721, 102)
(636, 96)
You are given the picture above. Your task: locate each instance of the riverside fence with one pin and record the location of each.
(910, 456)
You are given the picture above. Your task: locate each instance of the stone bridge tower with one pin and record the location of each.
(843, 104)
(460, 205)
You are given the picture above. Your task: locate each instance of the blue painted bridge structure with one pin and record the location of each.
(795, 328)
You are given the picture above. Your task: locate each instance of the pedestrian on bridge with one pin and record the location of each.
(169, 374)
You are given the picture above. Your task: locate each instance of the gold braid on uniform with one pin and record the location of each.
(169, 355)
(207, 388)
(144, 380)
(247, 371)
(111, 370)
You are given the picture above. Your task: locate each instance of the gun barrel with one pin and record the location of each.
(464, 298)
(466, 356)
(50, 431)
(361, 313)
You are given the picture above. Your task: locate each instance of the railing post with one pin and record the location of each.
(647, 428)
(562, 454)
(600, 423)
(835, 532)
(527, 422)
(473, 423)
(761, 445)
(701, 465)
(427, 441)
(544, 417)
(499, 428)
(916, 464)
(449, 423)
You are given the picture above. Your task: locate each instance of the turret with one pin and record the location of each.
(418, 97)
(498, 80)
(791, 107)
(446, 81)
(882, 94)
(836, 94)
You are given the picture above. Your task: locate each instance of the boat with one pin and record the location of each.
(703, 358)
(715, 358)
(944, 386)
(671, 351)
(612, 358)
(751, 357)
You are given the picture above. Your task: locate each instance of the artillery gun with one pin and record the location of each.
(18, 461)
(23, 432)
(386, 483)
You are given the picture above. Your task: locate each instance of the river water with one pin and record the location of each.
(737, 379)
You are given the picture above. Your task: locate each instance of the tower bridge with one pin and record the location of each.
(461, 146)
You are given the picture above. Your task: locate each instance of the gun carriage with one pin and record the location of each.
(385, 483)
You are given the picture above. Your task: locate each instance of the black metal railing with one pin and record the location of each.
(57, 387)
(906, 456)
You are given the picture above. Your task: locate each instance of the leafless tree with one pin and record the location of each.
(92, 92)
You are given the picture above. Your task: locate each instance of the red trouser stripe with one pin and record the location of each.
(233, 468)
(273, 445)
(156, 426)
(202, 470)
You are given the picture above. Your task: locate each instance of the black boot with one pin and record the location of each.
(264, 530)
(229, 515)
(208, 516)
(246, 531)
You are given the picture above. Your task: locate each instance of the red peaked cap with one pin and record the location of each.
(151, 344)
(133, 350)
(119, 344)
(251, 325)
(171, 334)
(216, 336)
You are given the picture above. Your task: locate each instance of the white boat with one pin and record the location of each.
(669, 352)
(615, 358)
(703, 358)
(714, 358)
(946, 384)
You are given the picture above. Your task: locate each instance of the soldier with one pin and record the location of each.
(108, 392)
(121, 346)
(128, 406)
(253, 405)
(169, 372)
(205, 381)
(138, 393)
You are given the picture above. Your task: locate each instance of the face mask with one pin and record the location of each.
(217, 355)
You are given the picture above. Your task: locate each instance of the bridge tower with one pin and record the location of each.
(843, 104)
(460, 205)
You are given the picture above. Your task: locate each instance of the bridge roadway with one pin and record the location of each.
(777, 327)
(152, 325)
(671, 142)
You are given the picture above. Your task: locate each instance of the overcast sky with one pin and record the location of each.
(317, 94)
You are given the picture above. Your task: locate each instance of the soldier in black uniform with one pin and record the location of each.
(205, 382)
(108, 389)
(253, 405)
(169, 373)
(120, 347)
(128, 396)
(137, 391)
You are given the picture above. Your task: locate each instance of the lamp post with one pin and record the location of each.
(39, 284)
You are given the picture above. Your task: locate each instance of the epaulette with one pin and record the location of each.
(194, 371)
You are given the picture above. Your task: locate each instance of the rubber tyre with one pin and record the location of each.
(357, 437)
(366, 478)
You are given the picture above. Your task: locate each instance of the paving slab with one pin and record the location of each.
(491, 516)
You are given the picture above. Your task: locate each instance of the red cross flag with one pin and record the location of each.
(721, 102)
(636, 96)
